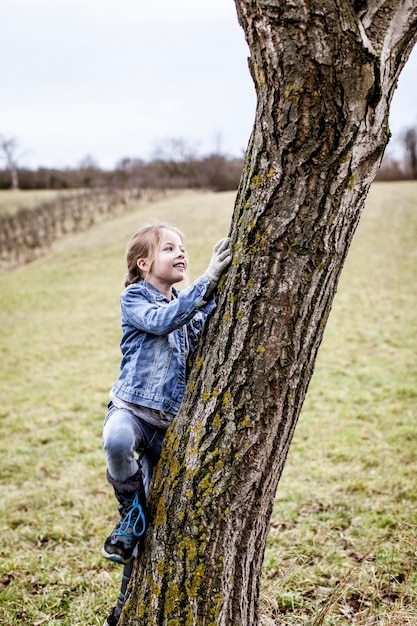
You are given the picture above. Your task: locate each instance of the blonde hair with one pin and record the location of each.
(144, 244)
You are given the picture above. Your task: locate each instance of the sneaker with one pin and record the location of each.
(120, 544)
(112, 619)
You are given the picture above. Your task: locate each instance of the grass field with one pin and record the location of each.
(342, 547)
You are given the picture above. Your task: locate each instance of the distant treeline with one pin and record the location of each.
(216, 172)
(175, 165)
(395, 169)
(402, 167)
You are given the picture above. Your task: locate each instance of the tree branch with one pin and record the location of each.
(387, 23)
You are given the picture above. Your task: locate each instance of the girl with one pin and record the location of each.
(160, 327)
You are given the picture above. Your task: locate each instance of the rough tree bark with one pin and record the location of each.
(325, 72)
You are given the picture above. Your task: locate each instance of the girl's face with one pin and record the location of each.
(170, 264)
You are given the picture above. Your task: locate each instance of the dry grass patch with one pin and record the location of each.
(342, 546)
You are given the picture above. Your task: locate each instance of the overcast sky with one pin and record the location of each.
(114, 78)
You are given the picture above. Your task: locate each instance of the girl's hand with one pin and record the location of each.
(222, 255)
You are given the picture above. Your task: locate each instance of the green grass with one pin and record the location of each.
(342, 547)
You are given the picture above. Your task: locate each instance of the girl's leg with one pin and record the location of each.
(147, 470)
(116, 611)
(123, 435)
(150, 443)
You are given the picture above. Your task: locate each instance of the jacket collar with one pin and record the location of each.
(154, 293)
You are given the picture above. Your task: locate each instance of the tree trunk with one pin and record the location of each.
(324, 72)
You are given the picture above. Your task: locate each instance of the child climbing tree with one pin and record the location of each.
(325, 72)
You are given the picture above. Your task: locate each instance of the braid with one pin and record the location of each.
(132, 276)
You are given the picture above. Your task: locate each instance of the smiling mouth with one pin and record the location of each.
(180, 265)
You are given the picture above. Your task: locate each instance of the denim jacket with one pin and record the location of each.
(157, 337)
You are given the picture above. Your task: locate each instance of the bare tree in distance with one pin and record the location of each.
(9, 146)
(409, 140)
(325, 72)
(175, 150)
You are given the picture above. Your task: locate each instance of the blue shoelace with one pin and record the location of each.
(131, 522)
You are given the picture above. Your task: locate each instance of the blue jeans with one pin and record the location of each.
(130, 444)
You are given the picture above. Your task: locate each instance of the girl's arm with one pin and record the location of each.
(161, 319)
